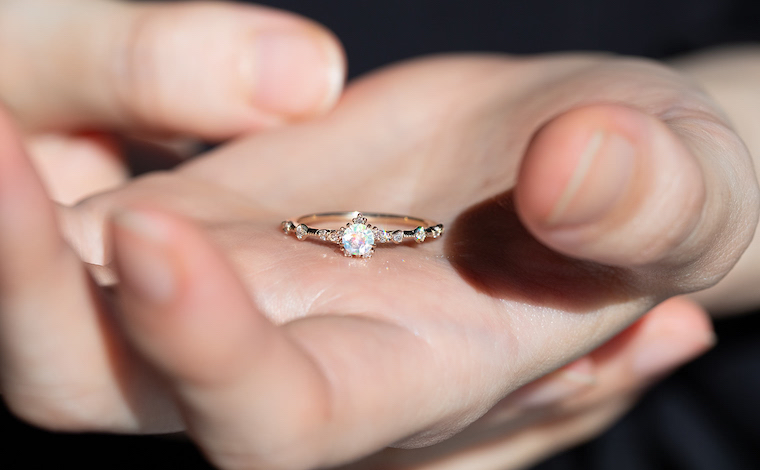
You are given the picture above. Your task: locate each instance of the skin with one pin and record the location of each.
(275, 353)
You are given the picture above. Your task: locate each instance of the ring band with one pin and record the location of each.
(358, 237)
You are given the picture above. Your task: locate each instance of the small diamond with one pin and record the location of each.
(381, 236)
(436, 231)
(301, 231)
(288, 226)
(358, 240)
(333, 236)
(419, 234)
(322, 234)
(397, 236)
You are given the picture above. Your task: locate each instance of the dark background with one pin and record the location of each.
(377, 33)
(707, 415)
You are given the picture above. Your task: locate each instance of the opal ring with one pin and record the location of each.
(358, 237)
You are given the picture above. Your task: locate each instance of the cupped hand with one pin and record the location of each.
(578, 191)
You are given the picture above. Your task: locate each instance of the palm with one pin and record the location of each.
(482, 310)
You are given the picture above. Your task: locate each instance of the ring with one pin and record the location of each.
(358, 237)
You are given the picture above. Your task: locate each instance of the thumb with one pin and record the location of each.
(212, 70)
(617, 186)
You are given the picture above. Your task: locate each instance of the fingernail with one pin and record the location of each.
(665, 353)
(141, 257)
(296, 73)
(560, 385)
(600, 180)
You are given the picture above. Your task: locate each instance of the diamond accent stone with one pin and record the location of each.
(381, 236)
(301, 231)
(419, 234)
(358, 240)
(322, 234)
(288, 226)
(397, 236)
(436, 231)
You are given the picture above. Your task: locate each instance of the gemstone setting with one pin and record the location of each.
(436, 231)
(287, 226)
(358, 239)
(301, 231)
(419, 234)
(381, 236)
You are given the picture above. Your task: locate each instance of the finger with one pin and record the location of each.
(246, 390)
(615, 185)
(73, 167)
(572, 404)
(58, 358)
(212, 70)
(670, 335)
(535, 443)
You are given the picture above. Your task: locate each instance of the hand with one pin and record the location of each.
(419, 342)
(570, 405)
(73, 73)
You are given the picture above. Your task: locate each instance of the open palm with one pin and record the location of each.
(284, 353)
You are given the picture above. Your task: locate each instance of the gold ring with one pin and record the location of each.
(358, 237)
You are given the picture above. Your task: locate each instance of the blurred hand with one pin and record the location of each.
(578, 192)
(73, 72)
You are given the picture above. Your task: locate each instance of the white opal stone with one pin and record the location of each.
(358, 240)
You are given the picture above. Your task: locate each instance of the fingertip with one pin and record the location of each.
(680, 313)
(673, 333)
(296, 72)
(181, 304)
(75, 166)
(146, 271)
(252, 68)
(578, 166)
(610, 184)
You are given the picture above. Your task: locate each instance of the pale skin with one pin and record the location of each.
(275, 353)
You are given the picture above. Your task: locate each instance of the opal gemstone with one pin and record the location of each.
(358, 240)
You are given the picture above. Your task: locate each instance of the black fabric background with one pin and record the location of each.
(707, 415)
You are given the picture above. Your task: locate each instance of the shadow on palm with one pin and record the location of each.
(493, 251)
